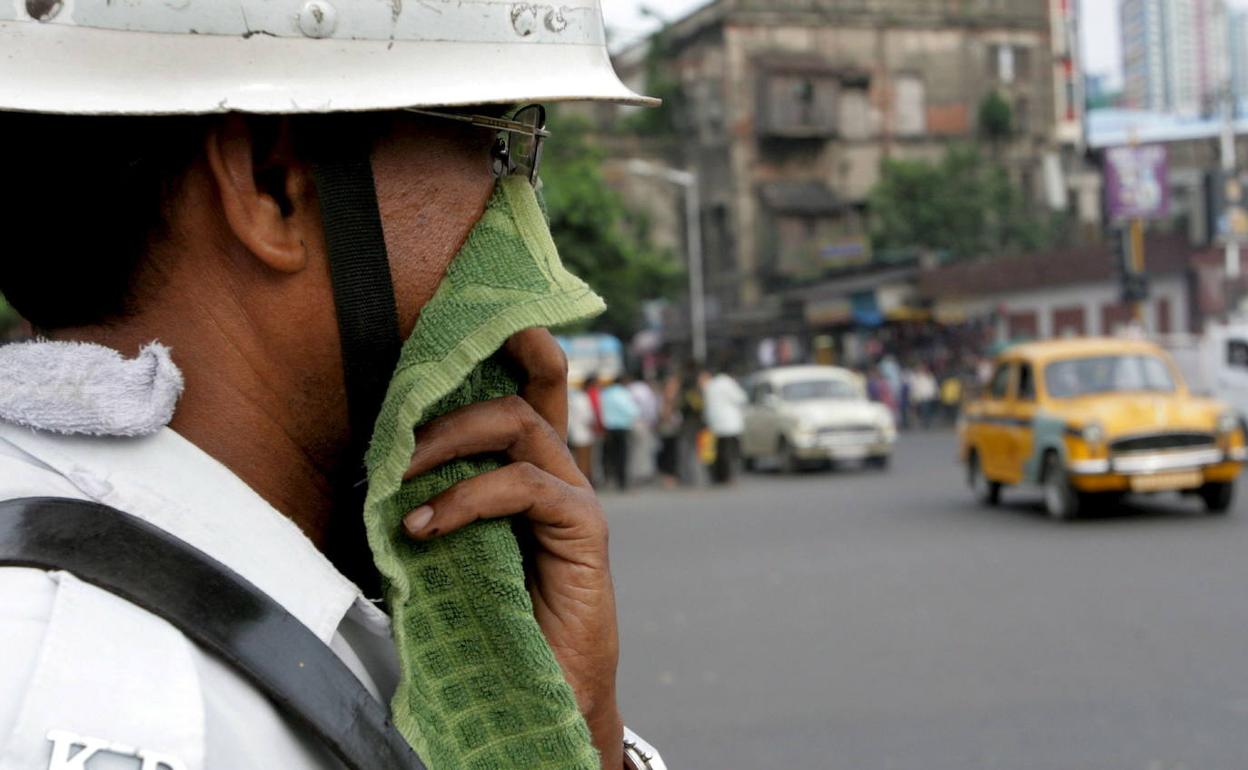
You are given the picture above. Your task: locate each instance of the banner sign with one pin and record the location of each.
(1137, 182)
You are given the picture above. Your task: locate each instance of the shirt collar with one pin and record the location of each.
(172, 484)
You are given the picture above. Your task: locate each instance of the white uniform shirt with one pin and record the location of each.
(725, 406)
(78, 661)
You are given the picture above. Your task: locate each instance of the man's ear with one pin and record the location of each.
(266, 190)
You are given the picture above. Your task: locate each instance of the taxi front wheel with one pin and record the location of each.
(1061, 500)
(1218, 496)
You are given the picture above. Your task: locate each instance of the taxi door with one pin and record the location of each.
(1020, 435)
(994, 414)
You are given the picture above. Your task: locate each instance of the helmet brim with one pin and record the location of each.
(109, 72)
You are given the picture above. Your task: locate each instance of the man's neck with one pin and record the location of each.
(243, 419)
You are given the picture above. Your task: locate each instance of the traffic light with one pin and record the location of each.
(1135, 288)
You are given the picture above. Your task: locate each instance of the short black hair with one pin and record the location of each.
(83, 198)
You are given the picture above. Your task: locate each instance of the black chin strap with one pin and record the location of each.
(368, 324)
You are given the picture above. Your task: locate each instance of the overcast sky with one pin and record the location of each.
(1099, 26)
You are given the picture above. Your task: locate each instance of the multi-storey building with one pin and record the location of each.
(787, 109)
(1174, 54)
(1237, 54)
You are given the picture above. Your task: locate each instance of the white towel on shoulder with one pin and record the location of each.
(84, 389)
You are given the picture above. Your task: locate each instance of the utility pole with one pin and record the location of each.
(1137, 296)
(693, 226)
(1231, 187)
(1136, 265)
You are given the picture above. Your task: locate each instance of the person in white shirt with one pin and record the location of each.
(644, 445)
(725, 402)
(582, 430)
(220, 273)
(924, 392)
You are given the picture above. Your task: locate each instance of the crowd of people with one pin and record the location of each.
(623, 430)
(918, 394)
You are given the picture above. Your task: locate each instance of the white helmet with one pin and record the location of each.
(149, 57)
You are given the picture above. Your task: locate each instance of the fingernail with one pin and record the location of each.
(418, 519)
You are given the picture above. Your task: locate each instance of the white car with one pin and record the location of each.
(801, 415)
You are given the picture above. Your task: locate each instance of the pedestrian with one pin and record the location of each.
(582, 430)
(223, 277)
(906, 405)
(593, 390)
(725, 417)
(879, 390)
(669, 428)
(643, 449)
(692, 424)
(619, 415)
(925, 393)
(951, 390)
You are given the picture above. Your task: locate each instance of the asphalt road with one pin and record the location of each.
(862, 620)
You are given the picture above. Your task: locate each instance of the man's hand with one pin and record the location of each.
(573, 597)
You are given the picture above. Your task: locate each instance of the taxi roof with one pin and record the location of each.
(1078, 347)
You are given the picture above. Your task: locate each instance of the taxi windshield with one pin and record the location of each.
(818, 390)
(1077, 377)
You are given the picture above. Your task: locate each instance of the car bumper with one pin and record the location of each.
(1171, 470)
(846, 451)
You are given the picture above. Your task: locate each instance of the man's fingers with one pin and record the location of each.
(565, 513)
(508, 426)
(545, 370)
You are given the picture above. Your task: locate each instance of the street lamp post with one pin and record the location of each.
(693, 227)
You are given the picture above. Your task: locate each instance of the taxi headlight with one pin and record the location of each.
(1093, 433)
(1228, 423)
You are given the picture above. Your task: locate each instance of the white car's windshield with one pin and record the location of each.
(1108, 374)
(815, 390)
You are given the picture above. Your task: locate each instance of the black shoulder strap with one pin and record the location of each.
(216, 608)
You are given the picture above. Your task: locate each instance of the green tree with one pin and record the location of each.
(996, 119)
(962, 205)
(662, 82)
(599, 239)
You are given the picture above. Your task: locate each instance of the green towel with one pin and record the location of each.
(480, 689)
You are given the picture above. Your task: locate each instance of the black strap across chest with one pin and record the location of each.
(216, 608)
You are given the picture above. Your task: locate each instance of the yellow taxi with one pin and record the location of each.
(1090, 420)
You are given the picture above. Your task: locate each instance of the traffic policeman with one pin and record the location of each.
(208, 207)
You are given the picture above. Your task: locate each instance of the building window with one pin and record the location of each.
(1069, 322)
(1009, 63)
(1022, 326)
(808, 246)
(797, 106)
(1022, 63)
(1022, 115)
(909, 103)
(721, 239)
(1114, 318)
(1237, 354)
(1165, 324)
(855, 117)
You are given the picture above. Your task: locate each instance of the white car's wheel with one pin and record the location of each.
(789, 464)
